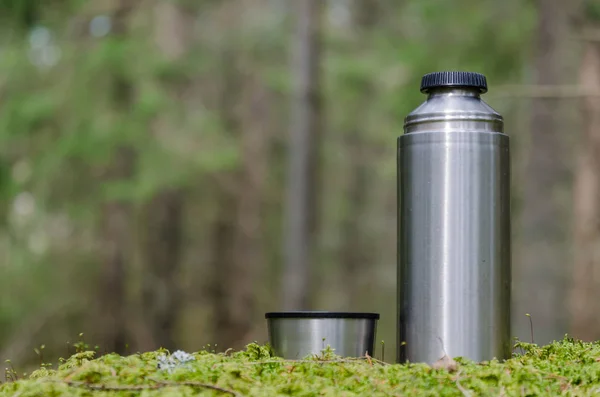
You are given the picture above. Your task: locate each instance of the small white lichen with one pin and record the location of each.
(179, 359)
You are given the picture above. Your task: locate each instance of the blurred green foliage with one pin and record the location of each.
(63, 117)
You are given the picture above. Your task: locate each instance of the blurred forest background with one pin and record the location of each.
(171, 170)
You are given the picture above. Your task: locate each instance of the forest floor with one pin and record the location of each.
(566, 367)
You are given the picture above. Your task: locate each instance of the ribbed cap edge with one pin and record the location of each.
(454, 79)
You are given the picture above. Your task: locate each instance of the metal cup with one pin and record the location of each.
(295, 335)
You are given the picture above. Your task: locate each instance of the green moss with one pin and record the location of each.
(567, 367)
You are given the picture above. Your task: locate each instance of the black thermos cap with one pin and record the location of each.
(454, 79)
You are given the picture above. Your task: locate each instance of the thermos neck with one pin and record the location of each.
(456, 106)
(453, 91)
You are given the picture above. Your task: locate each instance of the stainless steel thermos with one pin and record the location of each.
(454, 254)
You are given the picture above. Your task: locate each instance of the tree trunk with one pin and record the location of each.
(115, 227)
(239, 233)
(303, 156)
(543, 244)
(238, 254)
(354, 250)
(164, 214)
(115, 254)
(162, 257)
(586, 275)
(115, 230)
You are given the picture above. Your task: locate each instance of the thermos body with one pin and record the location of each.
(454, 254)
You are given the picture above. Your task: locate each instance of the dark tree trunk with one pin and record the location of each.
(162, 251)
(303, 155)
(233, 295)
(115, 231)
(115, 227)
(238, 256)
(586, 273)
(354, 251)
(231, 322)
(164, 214)
(543, 237)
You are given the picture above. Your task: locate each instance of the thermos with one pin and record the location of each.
(454, 254)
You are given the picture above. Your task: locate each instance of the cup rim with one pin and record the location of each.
(322, 314)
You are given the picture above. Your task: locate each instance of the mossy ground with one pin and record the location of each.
(567, 367)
